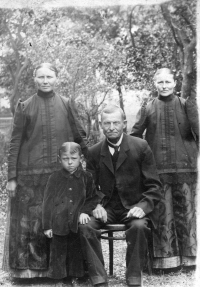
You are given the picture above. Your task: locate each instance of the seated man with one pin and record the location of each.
(125, 172)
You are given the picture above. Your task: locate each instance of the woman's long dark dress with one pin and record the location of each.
(41, 124)
(171, 125)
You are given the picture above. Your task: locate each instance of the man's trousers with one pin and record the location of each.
(136, 237)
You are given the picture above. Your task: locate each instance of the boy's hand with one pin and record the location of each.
(84, 218)
(100, 213)
(49, 233)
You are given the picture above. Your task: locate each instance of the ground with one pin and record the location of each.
(181, 278)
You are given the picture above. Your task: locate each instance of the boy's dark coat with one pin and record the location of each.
(56, 203)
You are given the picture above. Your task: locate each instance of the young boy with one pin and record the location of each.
(69, 198)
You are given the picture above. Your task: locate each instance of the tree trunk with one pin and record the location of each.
(188, 73)
(89, 125)
(121, 100)
(14, 97)
(185, 45)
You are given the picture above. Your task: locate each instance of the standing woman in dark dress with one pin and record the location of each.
(171, 125)
(41, 124)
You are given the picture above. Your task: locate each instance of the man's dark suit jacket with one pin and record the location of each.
(136, 177)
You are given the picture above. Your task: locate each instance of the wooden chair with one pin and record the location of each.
(109, 229)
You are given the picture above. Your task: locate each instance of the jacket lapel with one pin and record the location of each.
(106, 156)
(122, 153)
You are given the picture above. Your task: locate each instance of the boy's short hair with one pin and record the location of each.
(72, 147)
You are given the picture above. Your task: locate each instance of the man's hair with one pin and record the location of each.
(166, 70)
(46, 65)
(109, 109)
(72, 147)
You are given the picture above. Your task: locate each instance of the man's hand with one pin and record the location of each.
(11, 187)
(49, 233)
(136, 212)
(84, 218)
(100, 213)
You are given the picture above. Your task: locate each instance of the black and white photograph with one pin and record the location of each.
(99, 143)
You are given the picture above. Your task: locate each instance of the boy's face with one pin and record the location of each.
(70, 162)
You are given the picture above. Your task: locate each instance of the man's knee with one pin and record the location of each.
(139, 224)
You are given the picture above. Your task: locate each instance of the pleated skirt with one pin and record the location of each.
(174, 241)
(26, 248)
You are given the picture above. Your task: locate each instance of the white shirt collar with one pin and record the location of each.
(111, 149)
(119, 141)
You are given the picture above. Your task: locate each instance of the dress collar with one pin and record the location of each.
(166, 99)
(45, 94)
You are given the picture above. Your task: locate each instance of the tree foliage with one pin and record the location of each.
(98, 50)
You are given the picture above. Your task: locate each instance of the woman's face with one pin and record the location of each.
(165, 84)
(45, 79)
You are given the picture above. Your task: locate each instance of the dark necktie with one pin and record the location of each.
(115, 155)
(115, 200)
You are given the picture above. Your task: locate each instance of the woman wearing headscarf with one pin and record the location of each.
(41, 124)
(171, 125)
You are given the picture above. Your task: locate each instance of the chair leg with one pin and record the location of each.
(110, 234)
(149, 261)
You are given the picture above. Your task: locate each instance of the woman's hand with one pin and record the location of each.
(11, 187)
(84, 218)
(48, 233)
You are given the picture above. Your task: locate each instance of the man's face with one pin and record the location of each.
(70, 162)
(112, 125)
(165, 84)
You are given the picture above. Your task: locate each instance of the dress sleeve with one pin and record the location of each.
(192, 114)
(48, 201)
(77, 130)
(141, 123)
(16, 140)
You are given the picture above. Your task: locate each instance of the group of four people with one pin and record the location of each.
(52, 195)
